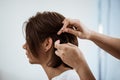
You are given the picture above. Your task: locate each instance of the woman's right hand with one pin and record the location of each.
(78, 29)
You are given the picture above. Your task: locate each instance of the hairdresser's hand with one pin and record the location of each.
(69, 53)
(72, 56)
(79, 29)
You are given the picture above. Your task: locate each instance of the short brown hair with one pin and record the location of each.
(42, 26)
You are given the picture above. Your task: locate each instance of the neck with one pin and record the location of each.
(52, 72)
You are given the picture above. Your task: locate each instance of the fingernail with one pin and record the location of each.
(58, 33)
(57, 42)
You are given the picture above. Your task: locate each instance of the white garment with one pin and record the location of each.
(67, 75)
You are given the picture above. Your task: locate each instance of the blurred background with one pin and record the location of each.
(99, 15)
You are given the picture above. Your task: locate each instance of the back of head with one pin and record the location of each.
(42, 26)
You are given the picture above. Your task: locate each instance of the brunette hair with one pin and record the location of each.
(42, 26)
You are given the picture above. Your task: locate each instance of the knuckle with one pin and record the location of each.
(65, 48)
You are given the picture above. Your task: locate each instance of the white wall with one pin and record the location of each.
(13, 62)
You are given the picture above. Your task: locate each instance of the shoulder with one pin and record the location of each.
(67, 75)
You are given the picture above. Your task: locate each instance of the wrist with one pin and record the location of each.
(80, 65)
(91, 35)
(84, 72)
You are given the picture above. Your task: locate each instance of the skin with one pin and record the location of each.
(44, 57)
(107, 43)
(67, 52)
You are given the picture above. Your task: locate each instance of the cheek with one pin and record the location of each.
(31, 58)
(41, 50)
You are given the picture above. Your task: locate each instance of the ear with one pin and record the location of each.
(47, 44)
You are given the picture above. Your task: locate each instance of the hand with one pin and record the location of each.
(70, 54)
(78, 29)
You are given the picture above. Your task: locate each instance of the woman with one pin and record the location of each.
(41, 33)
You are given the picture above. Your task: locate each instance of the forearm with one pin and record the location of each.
(109, 44)
(84, 72)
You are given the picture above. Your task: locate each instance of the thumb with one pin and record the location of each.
(71, 31)
(56, 43)
(56, 52)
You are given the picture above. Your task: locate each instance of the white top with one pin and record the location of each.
(67, 75)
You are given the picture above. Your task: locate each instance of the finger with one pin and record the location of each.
(58, 53)
(57, 42)
(58, 45)
(71, 31)
(65, 24)
(72, 45)
(73, 22)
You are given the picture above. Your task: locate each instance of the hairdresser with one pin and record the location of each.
(72, 55)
